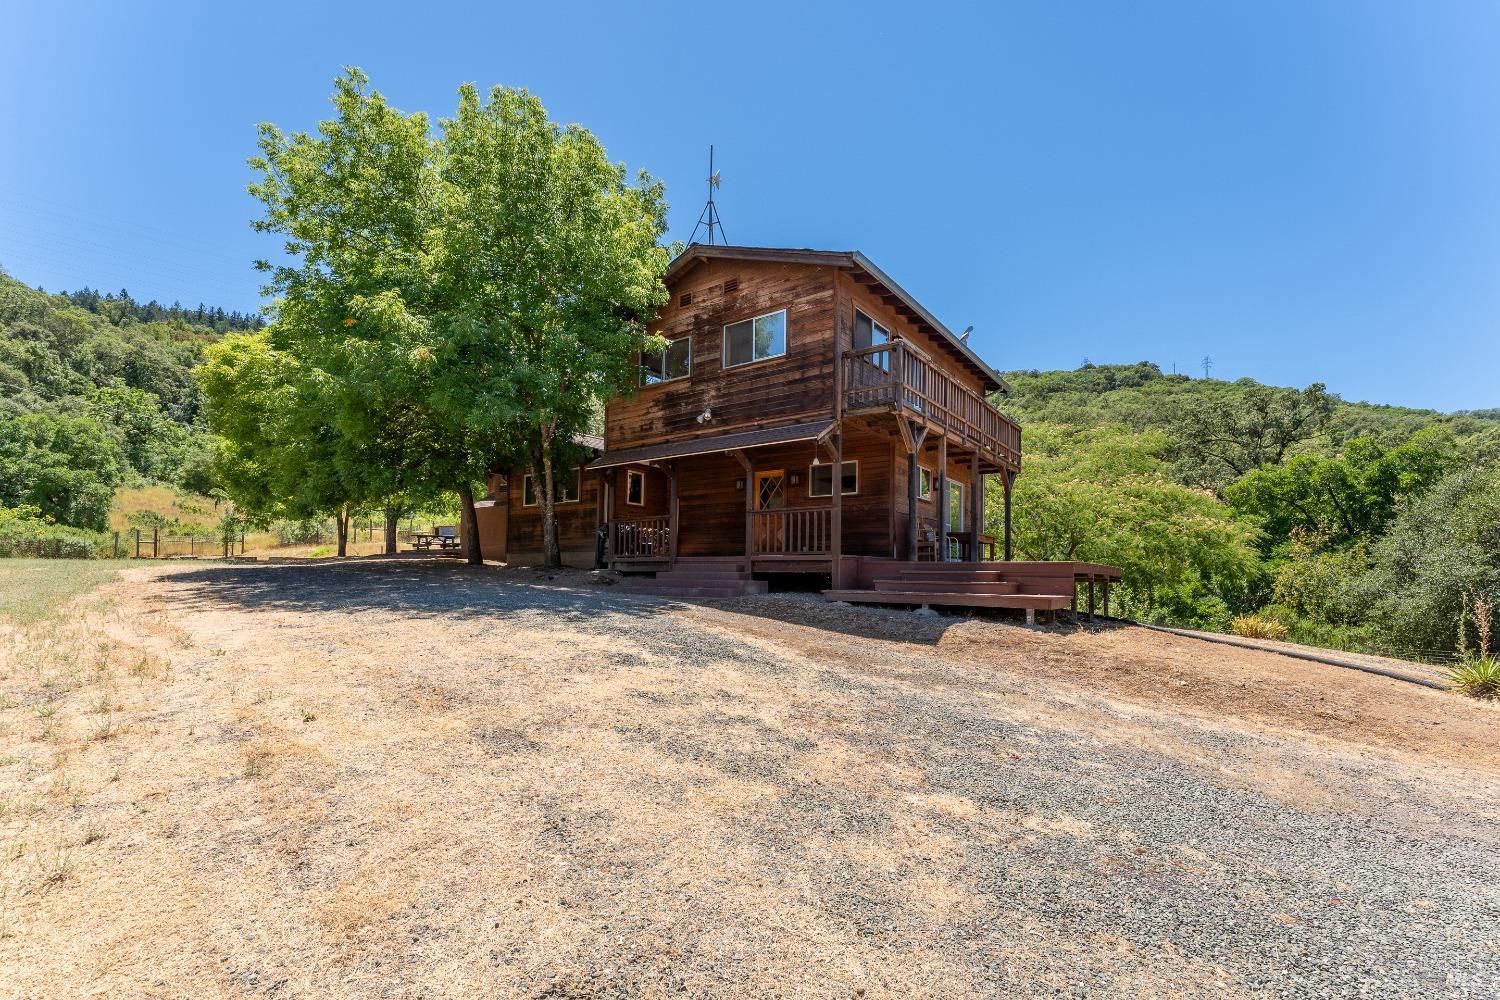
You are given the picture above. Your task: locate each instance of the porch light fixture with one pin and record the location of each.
(739, 484)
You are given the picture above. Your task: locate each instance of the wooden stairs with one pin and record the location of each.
(699, 577)
(955, 585)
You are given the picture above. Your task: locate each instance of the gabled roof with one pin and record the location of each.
(866, 273)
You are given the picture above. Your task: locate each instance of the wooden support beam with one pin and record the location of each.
(749, 468)
(1009, 479)
(609, 515)
(976, 495)
(941, 486)
(672, 518)
(1091, 598)
(836, 515)
(1106, 598)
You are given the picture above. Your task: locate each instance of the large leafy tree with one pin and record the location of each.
(458, 301)
(551, 261)
(65, 465)
(1239, 427)
(360, 205)
(1345, 498)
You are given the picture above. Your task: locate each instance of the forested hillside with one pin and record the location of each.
(96, 392)
(1350, 524)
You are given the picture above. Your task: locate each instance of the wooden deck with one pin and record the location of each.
(1024, 586)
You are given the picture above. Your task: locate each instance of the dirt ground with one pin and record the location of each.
(412, 778)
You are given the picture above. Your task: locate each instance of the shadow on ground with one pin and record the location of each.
(438, 587)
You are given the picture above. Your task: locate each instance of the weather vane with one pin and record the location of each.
(710, 220)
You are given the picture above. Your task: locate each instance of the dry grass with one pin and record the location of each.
(240, 799)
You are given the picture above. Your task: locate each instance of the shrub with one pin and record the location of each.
(298, 532)
(23, 533)
(1258, 627)
(1477, 678)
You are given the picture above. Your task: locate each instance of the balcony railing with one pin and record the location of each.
(793, 531)
(892, 376)
(645, 538)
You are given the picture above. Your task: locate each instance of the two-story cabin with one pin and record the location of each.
(807, 415)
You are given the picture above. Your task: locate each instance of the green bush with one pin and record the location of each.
(24, 533)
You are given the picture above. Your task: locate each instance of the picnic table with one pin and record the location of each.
(444, 536)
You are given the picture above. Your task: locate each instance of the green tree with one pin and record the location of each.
(1104, 495)
(551, 261)
(1346, 498)
(1442, 545)
(66, 466)
(1233, 429)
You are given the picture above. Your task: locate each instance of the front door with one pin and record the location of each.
(770, 495)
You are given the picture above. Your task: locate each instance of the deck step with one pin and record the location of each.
(949, 586)
(948, 574)
(1041, 602)
(747, 589)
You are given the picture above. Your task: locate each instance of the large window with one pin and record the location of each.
(671, 362)
(635, 488)
(955, 506)
(820, 480)
(755, 339)
(565, 481)
(867, 332)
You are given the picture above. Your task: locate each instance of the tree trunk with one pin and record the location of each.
(551, 552)
(341, 519)
(472, 555)
(392, 521)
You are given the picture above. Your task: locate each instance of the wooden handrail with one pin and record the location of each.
(891, 375)
(647, 537)
(793, 531)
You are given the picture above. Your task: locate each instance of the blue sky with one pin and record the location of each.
(1305, 191)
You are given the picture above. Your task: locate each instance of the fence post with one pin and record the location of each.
(117, 545)
(137, 543)
(242, 543)
(155, 543)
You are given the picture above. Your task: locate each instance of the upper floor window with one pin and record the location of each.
(564, 481)
(635, 488)
(671, 362)
(755, 339)
(867, 332)
(820, 480)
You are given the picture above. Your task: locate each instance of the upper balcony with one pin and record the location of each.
(896, 377)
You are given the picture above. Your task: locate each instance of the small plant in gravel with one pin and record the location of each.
(92, 834)
(105, 729)
(1258, 627)
(1478, 677)
(308, 715)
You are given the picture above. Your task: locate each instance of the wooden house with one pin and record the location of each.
(807, 416)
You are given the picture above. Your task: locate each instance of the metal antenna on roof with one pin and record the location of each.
(710, 220)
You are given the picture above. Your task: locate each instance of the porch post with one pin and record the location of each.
(976, 496)
(913, 478)
(942, 498)
(609, 515)
(749, 470)
(1008, 478)
(672, 519)
(836, 516)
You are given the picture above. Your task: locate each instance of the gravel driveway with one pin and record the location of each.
(514, 785)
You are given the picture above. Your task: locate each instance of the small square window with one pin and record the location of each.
(924, 483)
(565, 481)
(672, 362)
(820, 480)
(635, 488)
(755, 339)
